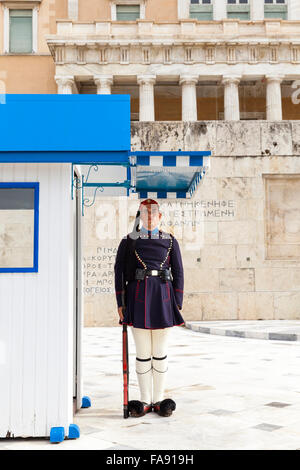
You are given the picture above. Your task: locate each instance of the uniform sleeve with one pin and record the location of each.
(119, 269)
(177, 272)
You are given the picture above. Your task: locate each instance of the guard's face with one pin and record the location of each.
(150, 216)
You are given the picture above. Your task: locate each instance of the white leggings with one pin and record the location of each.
(151, 343)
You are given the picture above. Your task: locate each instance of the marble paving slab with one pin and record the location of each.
(245, 395)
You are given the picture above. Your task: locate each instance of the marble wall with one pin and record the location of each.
(239, 234)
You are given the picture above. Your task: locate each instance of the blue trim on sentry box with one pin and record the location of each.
(128, 178)
(181, 194)
(161, 194)
(171, 158)
(36, 187)
(57, 434)
(74, 431)
(58, 124)
(143, 160)
(83, 157)
(202, 153)
(36, 227)
(86, 402)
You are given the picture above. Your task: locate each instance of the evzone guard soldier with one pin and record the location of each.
(150, 261)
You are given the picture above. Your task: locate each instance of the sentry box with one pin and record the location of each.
(44, 141)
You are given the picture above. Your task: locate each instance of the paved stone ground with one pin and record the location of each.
(231, 393)
(286, 330)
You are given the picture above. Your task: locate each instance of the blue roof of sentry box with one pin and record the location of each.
(73, 128)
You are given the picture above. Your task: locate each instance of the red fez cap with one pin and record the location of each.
(148, 202)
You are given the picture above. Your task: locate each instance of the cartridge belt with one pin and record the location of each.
(165, 274)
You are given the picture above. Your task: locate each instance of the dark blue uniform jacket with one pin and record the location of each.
(152, 303)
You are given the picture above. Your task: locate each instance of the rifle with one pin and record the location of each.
(125, 332)
(125, 356)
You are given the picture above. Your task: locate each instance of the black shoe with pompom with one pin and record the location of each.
(164, 407)
(138, 408)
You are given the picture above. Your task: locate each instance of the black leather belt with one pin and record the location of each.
(164, 274)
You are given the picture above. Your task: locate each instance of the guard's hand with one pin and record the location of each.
(120, 312)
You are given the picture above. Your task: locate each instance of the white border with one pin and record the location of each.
(114, 4)
(35, 10)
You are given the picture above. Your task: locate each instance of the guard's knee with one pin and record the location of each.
(142, 365)
(160, 364)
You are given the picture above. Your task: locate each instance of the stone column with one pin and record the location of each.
(146, 83)
(64, 84)
(231, 98)
(273, 98)
(189, 98)
(104, 83)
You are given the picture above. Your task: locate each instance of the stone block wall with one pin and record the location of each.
(239, 234)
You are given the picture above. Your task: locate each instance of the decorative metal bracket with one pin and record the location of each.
(86, 200)
(76, 180)
(83, 183)
(132, 165)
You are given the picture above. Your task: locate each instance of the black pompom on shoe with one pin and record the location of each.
(138, 408)
(165, 407)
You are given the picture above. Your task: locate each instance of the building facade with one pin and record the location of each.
(218, 75)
